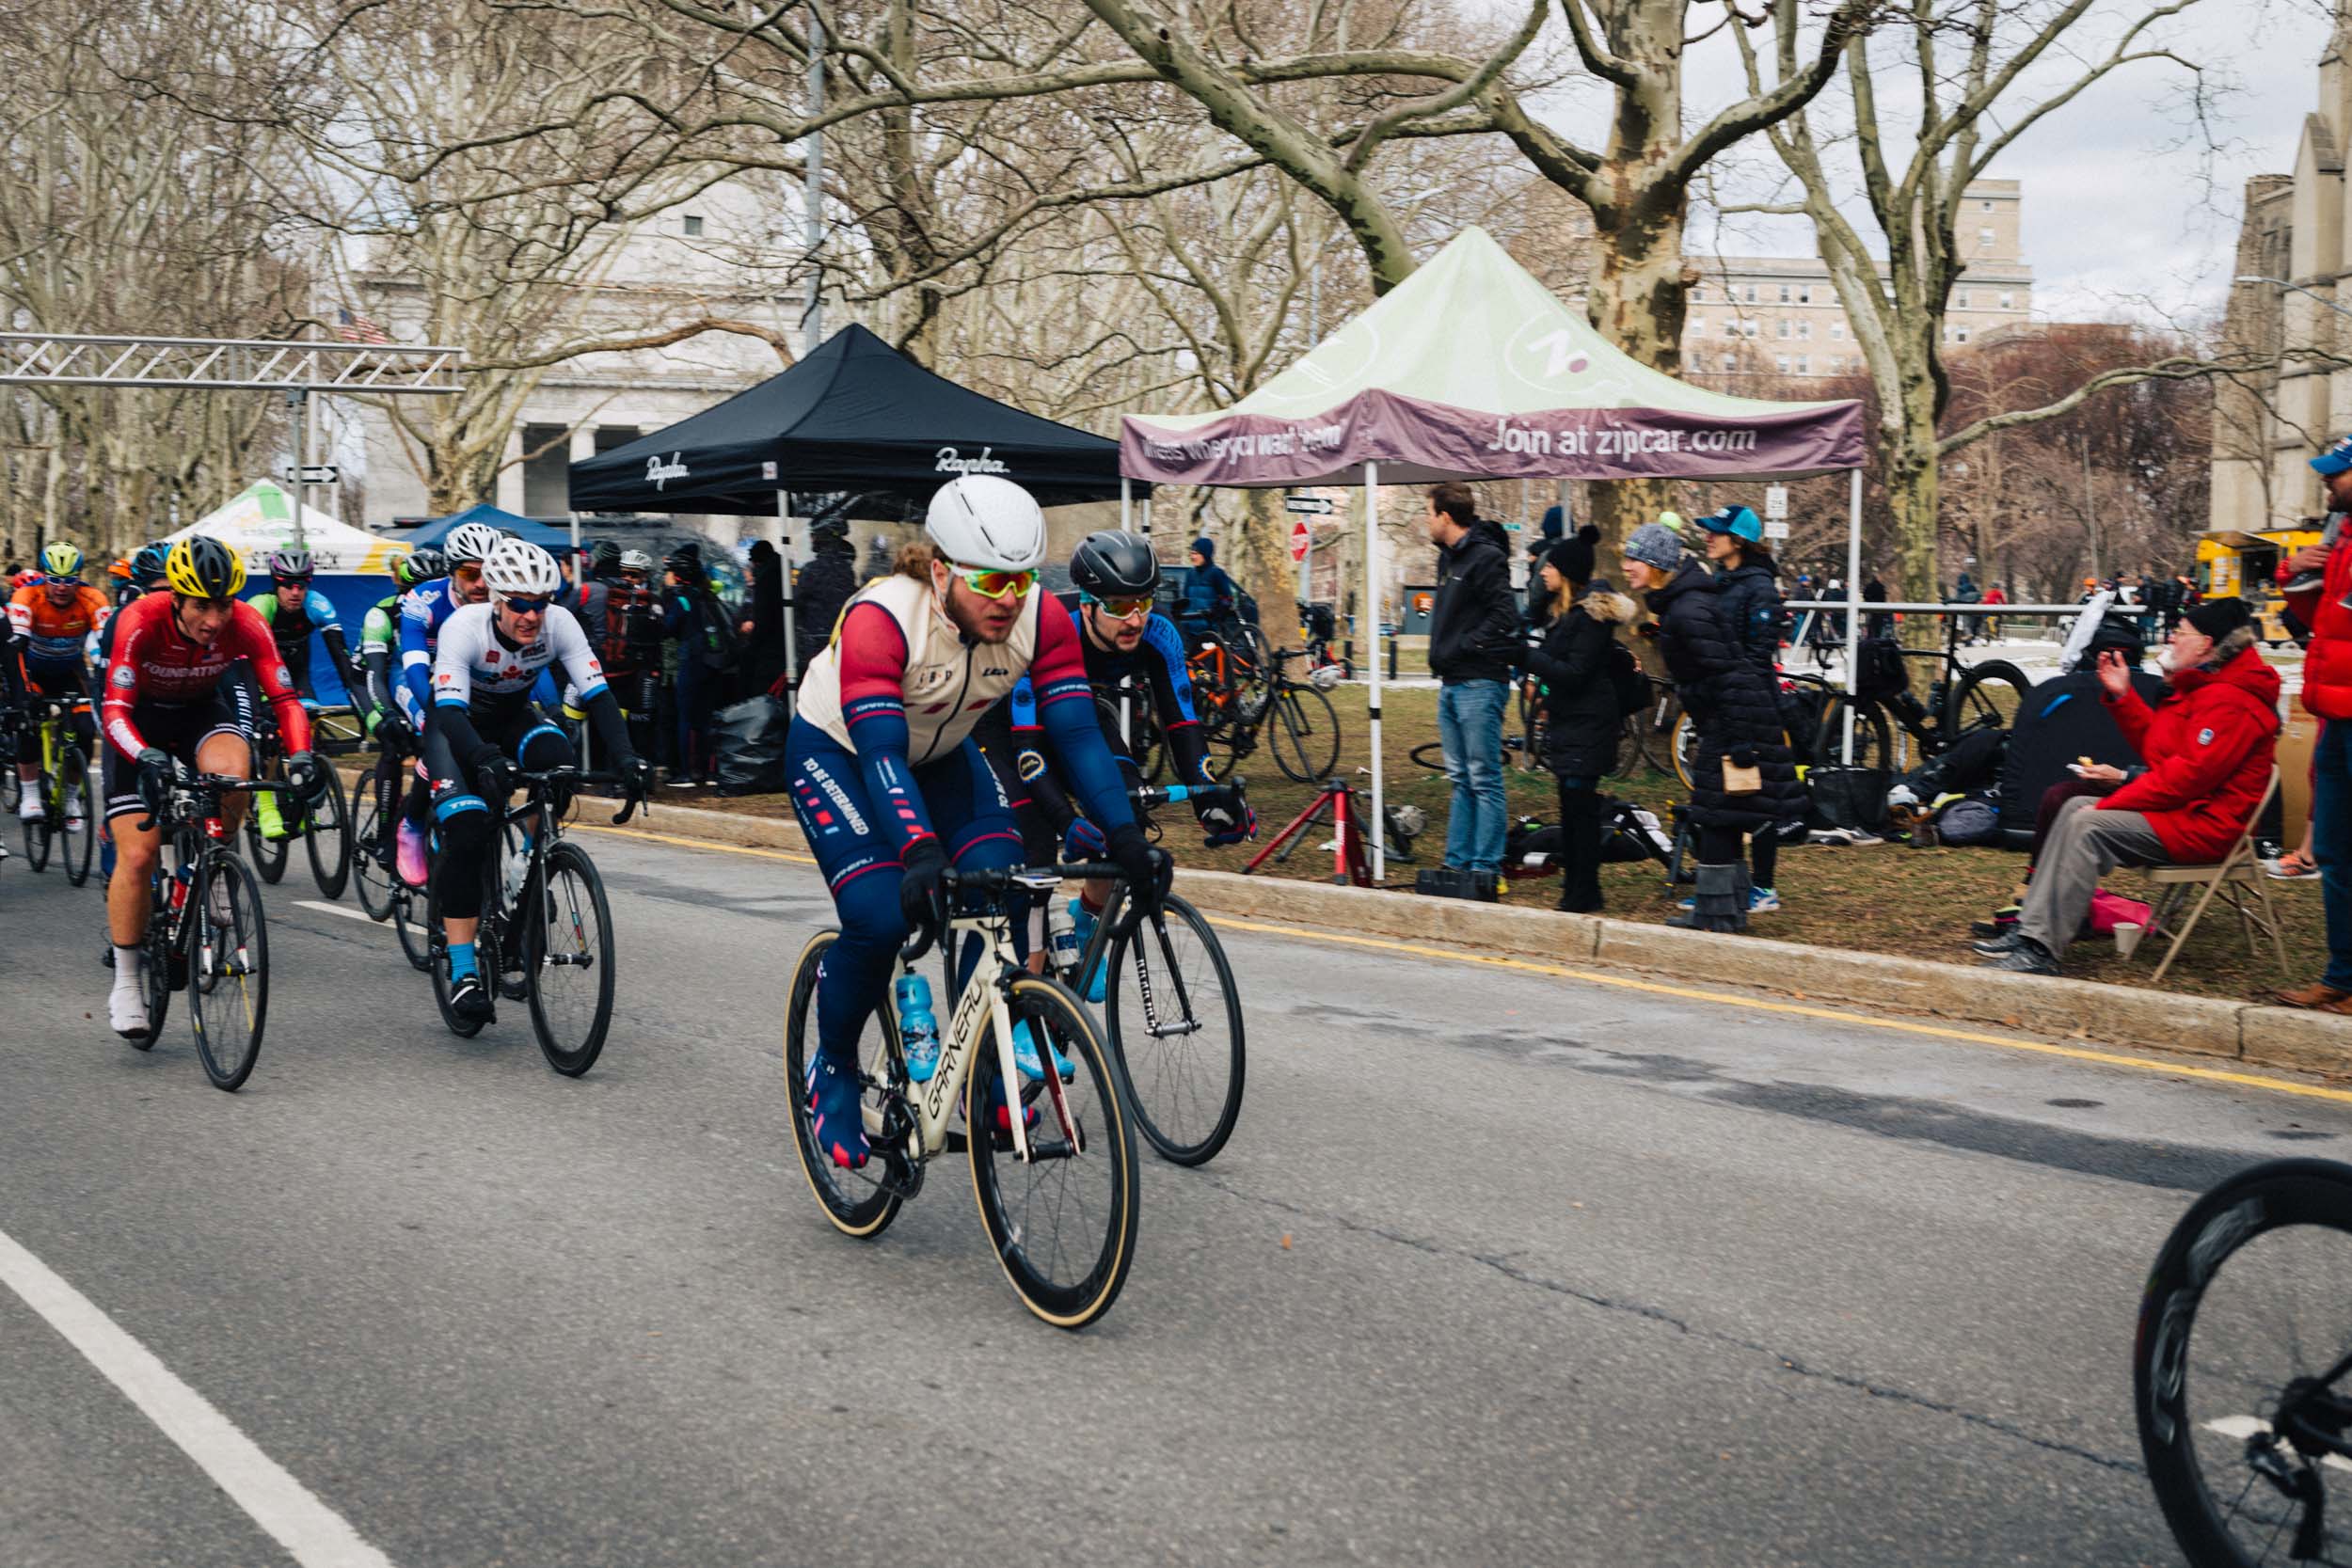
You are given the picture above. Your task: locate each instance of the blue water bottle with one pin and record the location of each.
(918, 1032)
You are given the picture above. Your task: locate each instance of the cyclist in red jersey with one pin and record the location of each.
(165, 702)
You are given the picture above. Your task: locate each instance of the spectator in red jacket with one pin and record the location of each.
(2205, 753)
(2328, 695)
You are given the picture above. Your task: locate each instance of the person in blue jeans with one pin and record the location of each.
(2323, 603)
(1474, 648)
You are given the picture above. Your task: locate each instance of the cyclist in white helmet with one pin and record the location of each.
(484, 725)
(886, 780)
(422, 610)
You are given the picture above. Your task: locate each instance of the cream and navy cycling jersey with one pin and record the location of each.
(477, 669)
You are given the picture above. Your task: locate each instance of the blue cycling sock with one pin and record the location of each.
(461, 962)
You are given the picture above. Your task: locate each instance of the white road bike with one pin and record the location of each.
(1056, 1183)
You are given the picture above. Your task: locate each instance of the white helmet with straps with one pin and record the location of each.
(980, 520)
(520, 568)
(471, 542)
(636, 560)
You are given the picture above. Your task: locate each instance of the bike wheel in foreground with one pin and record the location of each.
(162, 958)
(1063, 1225)
(1304, 734)
(77, 846)
(1175, 1020)
(567, 952)
(859, 1203)
(369, 876)
(1990, 696)
(329, 842)
(227, 969)
(2238, 1370)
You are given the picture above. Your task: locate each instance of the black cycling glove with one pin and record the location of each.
(920, 898)
(1145, 866)
(636, 775)
(308, 779)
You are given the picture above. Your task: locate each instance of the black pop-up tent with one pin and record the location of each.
(856, 416)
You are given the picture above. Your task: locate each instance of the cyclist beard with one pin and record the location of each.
(975, 622)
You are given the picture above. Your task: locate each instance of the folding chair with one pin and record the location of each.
(2230, 877)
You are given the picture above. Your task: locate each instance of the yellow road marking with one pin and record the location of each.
(1622, 982)
(693, 843)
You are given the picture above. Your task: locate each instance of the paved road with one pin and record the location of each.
(1500, 1267)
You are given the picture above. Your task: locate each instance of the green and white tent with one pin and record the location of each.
(261, 518)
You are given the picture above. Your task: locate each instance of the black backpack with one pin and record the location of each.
(717, 641)
(1627, 680)
(1883, 676)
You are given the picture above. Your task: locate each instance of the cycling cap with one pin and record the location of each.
(522, 570)
(420, 567)
(1114, 565)
(203, 568)
(983, 521)
(470, 542)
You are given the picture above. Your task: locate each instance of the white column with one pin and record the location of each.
(1372, 644)
(791, 646)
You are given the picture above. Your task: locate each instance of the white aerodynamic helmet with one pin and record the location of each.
(471, 542)
(980, 520)
(521, 569)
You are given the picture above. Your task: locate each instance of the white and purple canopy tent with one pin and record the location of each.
(1471, 368)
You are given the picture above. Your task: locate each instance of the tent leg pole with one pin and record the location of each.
(1372, 626)
(791, 642)
(1853, 603)
(1126, 505)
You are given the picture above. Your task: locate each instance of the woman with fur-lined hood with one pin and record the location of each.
(1580, 722)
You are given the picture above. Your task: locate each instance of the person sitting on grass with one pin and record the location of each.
(2205, 751)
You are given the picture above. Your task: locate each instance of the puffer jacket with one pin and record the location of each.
(2328, 664)
(2208, 745)
(1580, 722)
(1750, 599)
(1730, 700)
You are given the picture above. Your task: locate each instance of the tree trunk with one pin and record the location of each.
(1637, 302)
(1262, 562)
(1908, 456)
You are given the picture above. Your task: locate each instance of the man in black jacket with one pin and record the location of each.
(1474, 646)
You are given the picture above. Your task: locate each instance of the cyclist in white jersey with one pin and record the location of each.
(482, 728)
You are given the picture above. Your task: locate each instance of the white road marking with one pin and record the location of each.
(324, 908)
(314, 1535)
(2240, 1428)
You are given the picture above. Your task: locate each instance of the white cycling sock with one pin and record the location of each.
(130, 965)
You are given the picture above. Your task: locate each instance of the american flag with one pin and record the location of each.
(357, 329)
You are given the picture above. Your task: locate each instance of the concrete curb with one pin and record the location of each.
(2125, 1015)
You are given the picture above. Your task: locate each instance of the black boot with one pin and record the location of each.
(1721, 900)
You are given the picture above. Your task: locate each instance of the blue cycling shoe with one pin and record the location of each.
(838, 1122)
(1085, 922)
(1024, 1056)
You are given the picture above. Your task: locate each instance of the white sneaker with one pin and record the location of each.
(73, 823)
(126, 1009)
(28, 804)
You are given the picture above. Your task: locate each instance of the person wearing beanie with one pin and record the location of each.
(1475, 647)
(1743, 779)
(2205, 750)
(1581, 727)
(2317, 581)
(1671, 521)
(1210, 598)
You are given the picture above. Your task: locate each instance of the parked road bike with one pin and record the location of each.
(64, 771)
(324, 826)
(1059, 1199)
(1171, 1009)
(1898, 732)
(547, 929)
(206, 933)
(2240, 1369)
(1296, 720)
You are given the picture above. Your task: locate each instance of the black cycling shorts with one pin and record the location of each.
(178, 728)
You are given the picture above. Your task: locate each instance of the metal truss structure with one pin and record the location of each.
(249, 364)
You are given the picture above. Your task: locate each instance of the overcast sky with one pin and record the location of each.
(2128, 211)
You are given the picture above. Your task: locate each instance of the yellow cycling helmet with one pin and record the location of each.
(204, 569)
(61, 560)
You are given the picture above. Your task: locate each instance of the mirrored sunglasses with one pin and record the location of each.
(1120, 609)
(997, 585)
(524, 607)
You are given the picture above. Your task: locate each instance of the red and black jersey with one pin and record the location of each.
(154, 661)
